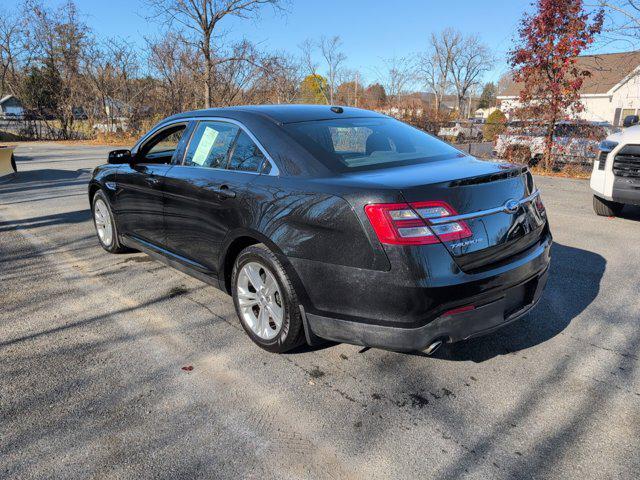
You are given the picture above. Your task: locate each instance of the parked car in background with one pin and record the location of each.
(615, 179)
(330, 222)
(574, 142)
(460, 131)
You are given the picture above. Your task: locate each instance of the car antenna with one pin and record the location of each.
(337, 109)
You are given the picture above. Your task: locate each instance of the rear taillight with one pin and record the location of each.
(410, 223)
(539, 204)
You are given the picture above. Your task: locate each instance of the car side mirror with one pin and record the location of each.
(630, 120)
(118, 157)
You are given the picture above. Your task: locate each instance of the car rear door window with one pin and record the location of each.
(210, 144)
(246, 156)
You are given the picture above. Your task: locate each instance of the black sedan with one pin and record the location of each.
(330, 222)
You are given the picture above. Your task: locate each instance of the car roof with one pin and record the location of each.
(281, 113)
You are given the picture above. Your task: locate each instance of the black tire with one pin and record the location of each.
(114, 246)
(291, 333)
(13, 163)
(606, 208)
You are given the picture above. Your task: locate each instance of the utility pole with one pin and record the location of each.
(355, 93)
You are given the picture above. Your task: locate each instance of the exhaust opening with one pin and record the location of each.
(435, 345)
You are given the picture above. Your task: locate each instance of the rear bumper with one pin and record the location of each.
(512, 305)
(404, 308)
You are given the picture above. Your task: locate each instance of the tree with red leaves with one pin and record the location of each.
(544, 62)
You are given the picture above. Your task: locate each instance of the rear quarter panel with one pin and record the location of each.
(310, 222)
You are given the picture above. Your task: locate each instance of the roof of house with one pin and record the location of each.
(7, 97)
(607, 71)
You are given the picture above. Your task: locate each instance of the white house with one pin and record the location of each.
(10, 105)
(484, 112)
(608, 95)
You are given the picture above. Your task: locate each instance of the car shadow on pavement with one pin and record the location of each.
(574, 282)
(77, 216)
(45, 178)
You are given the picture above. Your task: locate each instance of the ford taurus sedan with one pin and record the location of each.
(330, 223)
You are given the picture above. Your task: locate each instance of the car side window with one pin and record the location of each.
(209, 146)
(161, 147)
(246, 155)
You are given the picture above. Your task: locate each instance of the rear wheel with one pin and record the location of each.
(606, 208)
(105, 224)
(265, 300)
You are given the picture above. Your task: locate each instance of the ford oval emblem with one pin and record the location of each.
(511, 206)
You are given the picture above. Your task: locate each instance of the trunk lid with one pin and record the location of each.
(505, 220)
(482, 190)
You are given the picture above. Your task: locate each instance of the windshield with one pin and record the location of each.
(367, 143)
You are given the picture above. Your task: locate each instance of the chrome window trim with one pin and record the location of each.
(275, 171)
(152, 133)
(482, 213)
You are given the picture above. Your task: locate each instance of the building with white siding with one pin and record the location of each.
(608, 95)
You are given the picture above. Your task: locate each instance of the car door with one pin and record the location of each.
(209, 194)
(139, 199)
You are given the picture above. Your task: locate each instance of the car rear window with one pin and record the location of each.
(368, 143)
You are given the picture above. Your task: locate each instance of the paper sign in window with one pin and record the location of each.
(204, 147)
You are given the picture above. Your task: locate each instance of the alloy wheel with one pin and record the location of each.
(260, 300)
(103, 222)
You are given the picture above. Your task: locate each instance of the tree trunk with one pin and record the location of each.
(548, 145)
(208, 74)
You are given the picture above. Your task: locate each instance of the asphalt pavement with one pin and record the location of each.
(115, 366)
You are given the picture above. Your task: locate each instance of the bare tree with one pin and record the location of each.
(113, 70)
(58, 40)
(471, 60)
(173, 63)
(436, 63)
(281, 76)
(330, 49)
(311, 67)
(349, 90)
(396, 75)
(12, 52)
(199, 19)
(622, 19)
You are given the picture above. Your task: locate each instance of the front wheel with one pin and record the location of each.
(265, 300)
(105, 224)
(606, 208)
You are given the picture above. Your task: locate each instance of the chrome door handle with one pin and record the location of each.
(153, 181)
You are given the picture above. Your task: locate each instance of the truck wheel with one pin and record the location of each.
(606, 208)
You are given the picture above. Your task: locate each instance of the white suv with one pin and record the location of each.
(615, 179)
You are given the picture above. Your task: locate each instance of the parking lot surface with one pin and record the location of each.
(96, 350)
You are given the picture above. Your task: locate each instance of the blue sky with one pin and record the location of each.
(371, 30)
